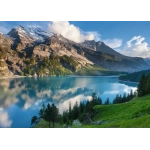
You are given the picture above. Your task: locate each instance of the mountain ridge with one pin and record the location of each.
(27, 49)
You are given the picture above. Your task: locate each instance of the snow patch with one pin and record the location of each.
(34, 32)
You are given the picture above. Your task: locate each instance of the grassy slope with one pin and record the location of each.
(134, 114)
(93, 70)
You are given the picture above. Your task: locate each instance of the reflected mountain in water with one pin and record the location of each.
(22, 98)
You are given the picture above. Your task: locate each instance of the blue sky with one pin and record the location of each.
(131, 38)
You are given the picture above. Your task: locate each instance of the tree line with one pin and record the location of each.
(124, 98)
(144, 85)
(134, 77)
(84, 111)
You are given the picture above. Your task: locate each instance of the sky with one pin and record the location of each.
(131, 38)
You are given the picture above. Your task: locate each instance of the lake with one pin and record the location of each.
(22, 98)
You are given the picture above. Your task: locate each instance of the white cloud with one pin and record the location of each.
(72, 32)
(4, 119)
(113, 43)
(137, 47)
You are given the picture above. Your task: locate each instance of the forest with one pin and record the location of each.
(84, 111)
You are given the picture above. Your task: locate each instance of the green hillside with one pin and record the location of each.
(134, 77)
(134, 114)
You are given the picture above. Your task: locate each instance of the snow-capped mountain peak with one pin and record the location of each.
(34, 32)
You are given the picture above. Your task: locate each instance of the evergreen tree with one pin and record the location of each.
(99, 100)
(128, 97)
(75, 111)
(89, 107)
(48, 114)
(120, 98)
(55, 113)
(65, 116)
(81, 107)
(131, 95)
(147, 86)
(124, 98)
(70, 113)
(107, 102)
(41, 113)
(117, 99)
(141, 86)
(34, 120)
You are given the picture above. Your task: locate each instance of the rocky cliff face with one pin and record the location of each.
(41, 50)
(33, 51)
(61, 46)
(5, 41)
(4, 71)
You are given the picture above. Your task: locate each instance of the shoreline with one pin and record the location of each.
(128, 81)
(12, 77)
(91, 76)
(18, 76)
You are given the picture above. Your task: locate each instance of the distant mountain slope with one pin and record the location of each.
(102, 47)
(134, 77)
(147, 60)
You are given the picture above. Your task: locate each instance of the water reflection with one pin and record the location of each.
(4, 119)
(22, 98)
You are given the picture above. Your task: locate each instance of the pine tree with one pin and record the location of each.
(131, 94)
(107, 102)
(41, 113)
(147, 86)
(54, 113)
(75, 111)
(70, 113)
(124, 98)
(128, 97)
(34, 120)
(99, 101)
(141, 86)
(48, 114)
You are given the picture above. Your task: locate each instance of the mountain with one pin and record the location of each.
(27, 36)
(147, 60)
(90, 44)
(34, 32)
(132, 63)
(30, 50)
(102, 47)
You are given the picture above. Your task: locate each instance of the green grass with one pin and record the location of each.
(134, 114)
